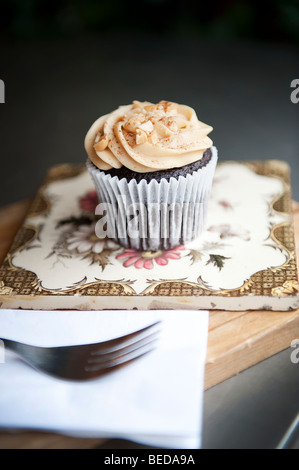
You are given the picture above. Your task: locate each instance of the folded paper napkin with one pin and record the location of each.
(157, 400)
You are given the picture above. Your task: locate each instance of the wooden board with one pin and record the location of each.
(237, 340)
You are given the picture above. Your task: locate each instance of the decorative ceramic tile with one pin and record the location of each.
(244, 260)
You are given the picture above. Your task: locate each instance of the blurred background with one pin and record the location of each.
(65, 63)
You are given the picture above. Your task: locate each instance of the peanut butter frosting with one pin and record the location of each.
(147, 137)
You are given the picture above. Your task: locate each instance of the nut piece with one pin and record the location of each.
(174, 123)
(141, 136)
(134, 122)
(168, 105)
(137, 104)
(150, 108)
(101, 144)
(146, 126)
(162, 129)
(153, 138)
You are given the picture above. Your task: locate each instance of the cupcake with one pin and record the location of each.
(152, 166)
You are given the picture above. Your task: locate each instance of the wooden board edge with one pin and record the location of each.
(239, 359)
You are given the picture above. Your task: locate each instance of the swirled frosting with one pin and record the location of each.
(147, 137)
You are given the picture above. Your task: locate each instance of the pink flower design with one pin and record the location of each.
(89, 201)
(145, 259)
(225, 204)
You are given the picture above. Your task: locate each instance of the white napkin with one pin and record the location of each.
(156, 400)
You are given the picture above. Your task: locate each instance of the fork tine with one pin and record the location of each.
(113, 344)
(131, 347)
(119, 361)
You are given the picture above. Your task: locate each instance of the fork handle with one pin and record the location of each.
(10, 344)
(26, 351)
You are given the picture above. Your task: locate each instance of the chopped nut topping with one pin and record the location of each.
(146, 126)
(150, 108)
(101, 143)
(174, 123)
(134, 122)
(141, 136)
(152, 122)
(162, 129)
(156, 115)
(136, 104)
(153, 138)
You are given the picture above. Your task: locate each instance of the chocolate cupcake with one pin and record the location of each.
(153, 166)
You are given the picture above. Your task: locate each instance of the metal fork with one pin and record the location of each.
(87, 361)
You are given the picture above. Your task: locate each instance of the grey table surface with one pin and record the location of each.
(56, 89)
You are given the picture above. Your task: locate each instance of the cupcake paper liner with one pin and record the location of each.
(153, 215)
